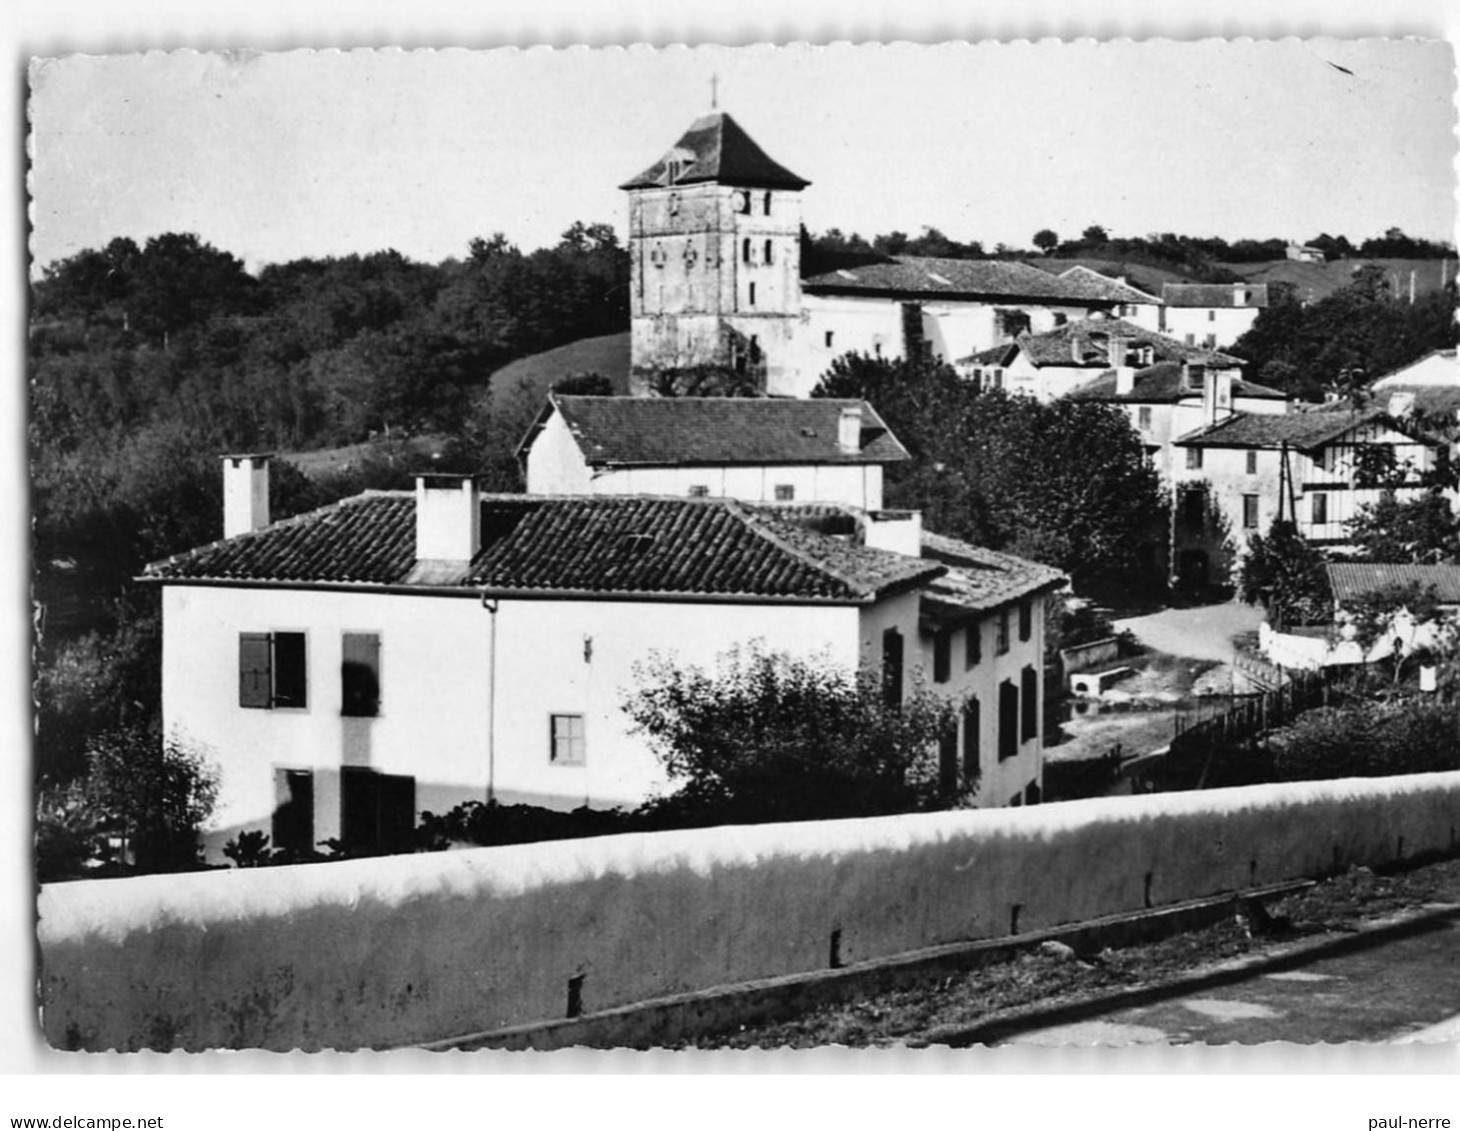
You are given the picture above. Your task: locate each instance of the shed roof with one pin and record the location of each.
(716, 431)
(1302, 431)
(1349, 580)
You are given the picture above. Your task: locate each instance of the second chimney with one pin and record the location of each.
(448, 519)
(849, 429)
(901, 532)
(245, 494)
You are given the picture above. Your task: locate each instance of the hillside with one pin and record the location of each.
(529, 378)
(1319, 280)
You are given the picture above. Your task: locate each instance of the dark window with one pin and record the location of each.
(948, 760)
(1029, 705)
(942, 655)
(377, 811)
(1249, 512)
(1031, 793)
(1001, 644)
(674, 204)
(293, 825)
(569, 741)
(971, 724)
(1320, 509)
(1143, 418)
(767, 204)
(1251, 463)
(768, 251)
(892, 667)
(360, 674)
(1026, 620)
(1193, 459)
(972, 644)
(1008, 720)
(745, 250)
(698, 491)
(829, 336)
(752, 295)
(1193, 507)
(785, 492)
(271, 669)
(1211, 315)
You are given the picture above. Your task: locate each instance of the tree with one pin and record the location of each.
(1421, 530)
(1046, 239)
(1066, 483)
(771, 737)
(1286, 573)
(1095, 236)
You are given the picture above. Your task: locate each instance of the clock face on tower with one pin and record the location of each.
(742, 201)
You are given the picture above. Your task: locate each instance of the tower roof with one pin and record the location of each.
(716, 150)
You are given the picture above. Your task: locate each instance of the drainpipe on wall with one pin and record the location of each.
(491, 604)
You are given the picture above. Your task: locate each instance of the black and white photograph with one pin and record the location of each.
(942, 549)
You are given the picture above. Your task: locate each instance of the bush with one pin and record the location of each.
(769, 737)
(1369, 739)
(493, 823)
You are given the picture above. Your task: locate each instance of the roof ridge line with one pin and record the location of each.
(764, 527)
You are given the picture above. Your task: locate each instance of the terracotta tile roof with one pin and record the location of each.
(924, 276)
(1214, 294)
(979, 580)
(610, 545)
(1302, 431)
(1162, 383)
(1354, 579)
(716, 431)
(715, 149)
(1089, 336)
(1117, 290)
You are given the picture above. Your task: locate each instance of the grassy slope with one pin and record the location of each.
(532, 376)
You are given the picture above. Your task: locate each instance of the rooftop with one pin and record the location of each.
(1162, 383)
(1354, 579)
(716, 431)
(610, 546)
(1118, 289)
(961, 278)
(1214, 294)
(1089, 336)
(716, 150)
(1302, 431)
(979, 580)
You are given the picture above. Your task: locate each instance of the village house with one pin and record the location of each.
(1315, 469)
(397, 652)
(756, 450)
(717, 279)
(1312, 647)
(1060, 361)
(1210, 314)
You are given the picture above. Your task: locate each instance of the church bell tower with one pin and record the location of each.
(715, 247)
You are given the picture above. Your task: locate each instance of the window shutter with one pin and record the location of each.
(255, 679)
(1008, 720)
(1029, 706)
(360, 674)
(970, 740)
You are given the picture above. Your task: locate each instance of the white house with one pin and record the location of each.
(1306, 467)
(717, 281)
(1210, 314)
(1436, 370)
(398, 652)
(1059, 361)
(757, 450)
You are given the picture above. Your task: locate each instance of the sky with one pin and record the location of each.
(276, 156)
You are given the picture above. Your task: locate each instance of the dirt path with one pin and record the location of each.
(1204, 632)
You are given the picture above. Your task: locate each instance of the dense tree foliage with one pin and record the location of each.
(769, 737)
(1342, 342)
(1066, 483)
(1369, 739)
(1286, 574)
(1422, 530)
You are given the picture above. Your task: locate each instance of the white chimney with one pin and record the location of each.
(245, 494)
(900, 532)
(1239, 294)
(849, 428)
(1125, 380)
(1401, 403)
(448, 519)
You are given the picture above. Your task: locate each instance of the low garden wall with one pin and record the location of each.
(415, 948)
(1082, 656)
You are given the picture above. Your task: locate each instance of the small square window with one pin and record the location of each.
(1251, 463)
(1193, 459)
(272, 670)
(1143, 418)
(785, 492)
(1249, 512)
(1211, 315)
(568, 741)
